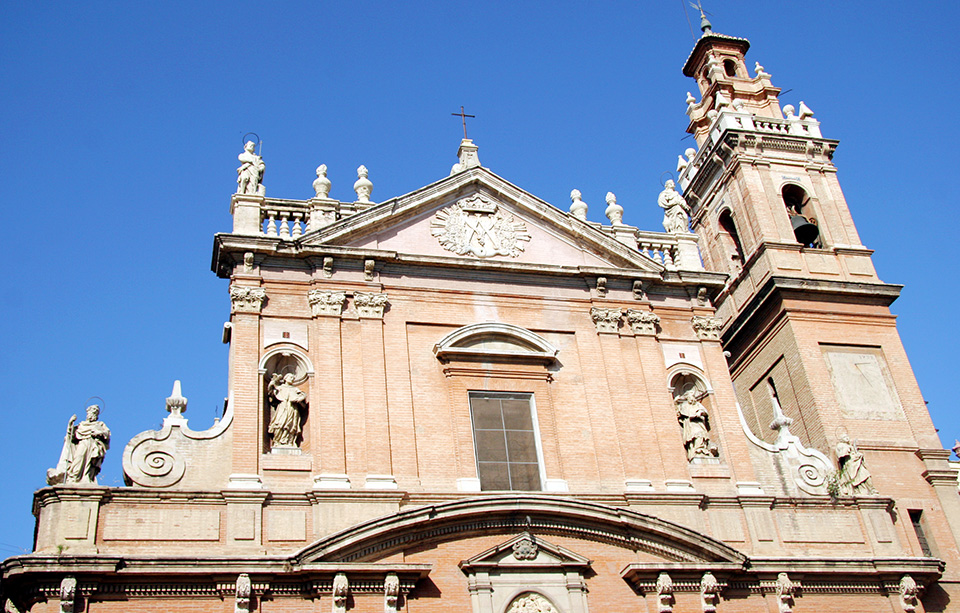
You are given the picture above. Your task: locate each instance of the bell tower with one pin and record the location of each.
(806, 321)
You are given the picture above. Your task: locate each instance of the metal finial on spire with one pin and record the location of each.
(705, 25)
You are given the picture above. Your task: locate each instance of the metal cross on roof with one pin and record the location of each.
(463, 116)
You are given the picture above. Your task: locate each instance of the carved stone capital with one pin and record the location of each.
(370, 305)
(245, 299)
(325, 302)
(707, 328)
(643, 322)
(606, 320)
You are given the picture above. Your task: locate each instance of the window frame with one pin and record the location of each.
(531, 399)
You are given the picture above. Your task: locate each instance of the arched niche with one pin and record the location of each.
(286, 374)
(730, 240)
(692, 399)
(530, 601)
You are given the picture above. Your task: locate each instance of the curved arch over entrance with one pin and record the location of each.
(507, 514)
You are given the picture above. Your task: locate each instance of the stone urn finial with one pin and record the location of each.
(578, 208)
(614, 211)
(321, 185)
(363, 186)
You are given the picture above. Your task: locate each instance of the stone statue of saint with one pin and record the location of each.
(854, 476)
(287, 400)
(676, 211)
(250, 173)
(696, 425)
(84, 448)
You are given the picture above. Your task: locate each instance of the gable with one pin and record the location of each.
(477, 216)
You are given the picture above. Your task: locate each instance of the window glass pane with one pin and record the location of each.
(525, 476)
(490, 446)
(486, 413)
(516, 414)
(493, 476)
(522, 446)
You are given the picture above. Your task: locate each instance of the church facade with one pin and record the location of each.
(467, 399)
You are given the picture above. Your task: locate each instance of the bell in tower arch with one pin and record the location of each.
(804, 229)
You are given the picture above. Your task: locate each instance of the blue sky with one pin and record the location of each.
(121, 125)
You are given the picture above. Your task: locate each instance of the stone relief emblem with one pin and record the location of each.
(531, 603)
(476, 226)
(525, 549)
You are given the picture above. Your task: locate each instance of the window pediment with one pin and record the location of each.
(495, 342)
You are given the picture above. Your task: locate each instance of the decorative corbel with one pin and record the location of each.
(391, 593)
(68, 594)
(665, 593)
(341, 589)
(243, 594)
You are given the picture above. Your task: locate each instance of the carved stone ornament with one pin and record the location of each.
(531, 603)
(707, 328)
(785, 591)
(287, 402)
(68, 594)
(476, 226)
(606, 320)
(709, 593)
(250, 172)
(578, 208)
(363, 186)
(665, 593)
(391, 593)
(695, 422)
(643, 323)
(341, 589)
(323, 302)
(525, 549)
(246, 299)
(244, 592)
(370, 304)
(909, 591)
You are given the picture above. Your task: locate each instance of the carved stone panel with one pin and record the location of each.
(863, 383)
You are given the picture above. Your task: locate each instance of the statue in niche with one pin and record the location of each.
(250, 173)
(854, 477)
(84, 448)
(696, 425)
(286, 400)
(676, 211)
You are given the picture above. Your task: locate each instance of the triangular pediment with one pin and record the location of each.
(525, 550)
(476, 215)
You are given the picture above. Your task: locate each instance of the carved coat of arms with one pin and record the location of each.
(476, 226)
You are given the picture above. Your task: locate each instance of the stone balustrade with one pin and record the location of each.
(661, 248)
(287, 219)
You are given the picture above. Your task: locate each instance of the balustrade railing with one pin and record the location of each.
(658, 247)
(284, 219)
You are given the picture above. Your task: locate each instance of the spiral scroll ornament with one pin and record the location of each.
(157, 464)
(812, 478)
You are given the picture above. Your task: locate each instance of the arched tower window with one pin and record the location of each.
(804, 224)
(730, 67)
(732, 243)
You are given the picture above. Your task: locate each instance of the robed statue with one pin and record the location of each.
(250, 172)
(287, 400)
(855, 479)
(695, 421)
(676, 211)
(84, 448)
